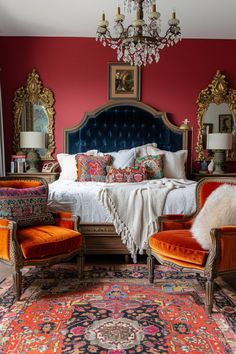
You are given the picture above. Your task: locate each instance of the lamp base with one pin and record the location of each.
(219, 158)
(32, 160)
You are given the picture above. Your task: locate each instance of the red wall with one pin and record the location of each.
(76, 70)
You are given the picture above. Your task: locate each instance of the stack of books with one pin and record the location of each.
(18, 163)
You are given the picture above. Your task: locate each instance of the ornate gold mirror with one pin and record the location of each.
(216, 114)
(33, 108)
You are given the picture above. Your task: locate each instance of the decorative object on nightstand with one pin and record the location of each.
(203, 166)
(219, 142)
(32, 140)
(211, 166)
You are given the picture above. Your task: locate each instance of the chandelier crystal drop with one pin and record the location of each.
(140, 42)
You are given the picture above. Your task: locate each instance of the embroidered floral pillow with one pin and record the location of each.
(128, 174)
(153, 165)
(92, 168)
(26, 206)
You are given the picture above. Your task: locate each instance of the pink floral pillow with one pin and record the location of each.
(128, 174)
(92, 168)
(153, 165)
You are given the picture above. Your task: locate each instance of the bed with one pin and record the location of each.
(119, 126)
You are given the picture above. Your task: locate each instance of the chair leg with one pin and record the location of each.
(151, 263)
(80, 265)
(209, 296)
(17, 280)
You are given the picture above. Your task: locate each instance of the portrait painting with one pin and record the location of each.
(124, 81)
(225, 123)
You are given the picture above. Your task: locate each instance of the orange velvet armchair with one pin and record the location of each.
(175, 246)
(29, 234)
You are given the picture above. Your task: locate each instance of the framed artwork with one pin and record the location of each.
(207, 129)
(225, 123)
(123, 81)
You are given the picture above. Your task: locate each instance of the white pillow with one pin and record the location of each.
(67, 163)
(68, 166)
(174, 163)
(219, 210)
(123, 158)
(145, 150)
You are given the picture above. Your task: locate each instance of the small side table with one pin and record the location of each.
(48, 176)
(198, 176)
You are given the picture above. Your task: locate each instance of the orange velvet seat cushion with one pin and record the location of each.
(179, 245)
(47, 241)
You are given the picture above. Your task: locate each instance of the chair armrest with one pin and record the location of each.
(67, 220)
(175, 222)
(7, 235)
(224, 248)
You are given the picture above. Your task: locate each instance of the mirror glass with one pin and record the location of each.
(34, 111)
(216, 114)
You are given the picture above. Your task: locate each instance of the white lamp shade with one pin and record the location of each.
(219, 141)
(32, 140)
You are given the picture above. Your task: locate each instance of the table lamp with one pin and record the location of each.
(32, 140)
(219, 142)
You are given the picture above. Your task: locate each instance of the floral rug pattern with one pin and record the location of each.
(115, 310)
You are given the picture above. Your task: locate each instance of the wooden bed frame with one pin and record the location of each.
(102, 238)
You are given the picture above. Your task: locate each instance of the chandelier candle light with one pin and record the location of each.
(140, 42)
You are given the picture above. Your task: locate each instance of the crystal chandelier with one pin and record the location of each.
(140, 42)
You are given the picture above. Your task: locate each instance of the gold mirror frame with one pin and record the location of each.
(217, 92)
(34, 93)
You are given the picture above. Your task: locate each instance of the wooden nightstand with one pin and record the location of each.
(198, 176)
(48, 176)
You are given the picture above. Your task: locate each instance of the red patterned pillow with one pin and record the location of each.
(153, 165)
(92, 168)
(128, 174)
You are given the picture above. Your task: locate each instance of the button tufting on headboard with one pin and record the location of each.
(123, 126)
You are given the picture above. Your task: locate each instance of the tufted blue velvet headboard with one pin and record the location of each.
(123, 125)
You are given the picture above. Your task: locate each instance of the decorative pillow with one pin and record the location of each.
(174, 163)
(128, 174)
(67, 163)
(147, 149)
(153, 165)
(92, 168)
(26, 206)
(219, 210)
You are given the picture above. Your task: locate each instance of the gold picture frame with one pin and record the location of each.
(123, 82)
(226, 123)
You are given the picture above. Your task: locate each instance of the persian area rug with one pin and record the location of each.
(114, 311)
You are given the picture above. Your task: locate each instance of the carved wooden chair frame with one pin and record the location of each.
(210, 271)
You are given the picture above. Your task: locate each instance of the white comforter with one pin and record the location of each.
(81, 198)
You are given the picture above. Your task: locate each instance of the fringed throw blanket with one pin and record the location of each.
(134, 209)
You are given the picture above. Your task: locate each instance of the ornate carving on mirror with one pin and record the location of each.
(33, 108)
(216, 114)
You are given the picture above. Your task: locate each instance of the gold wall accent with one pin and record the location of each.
(26, 98)
(216, 92)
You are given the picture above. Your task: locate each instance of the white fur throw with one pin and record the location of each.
(219, 209)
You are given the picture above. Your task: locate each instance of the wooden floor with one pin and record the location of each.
(6, 271)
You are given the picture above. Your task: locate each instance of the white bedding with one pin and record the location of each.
(80, 198)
